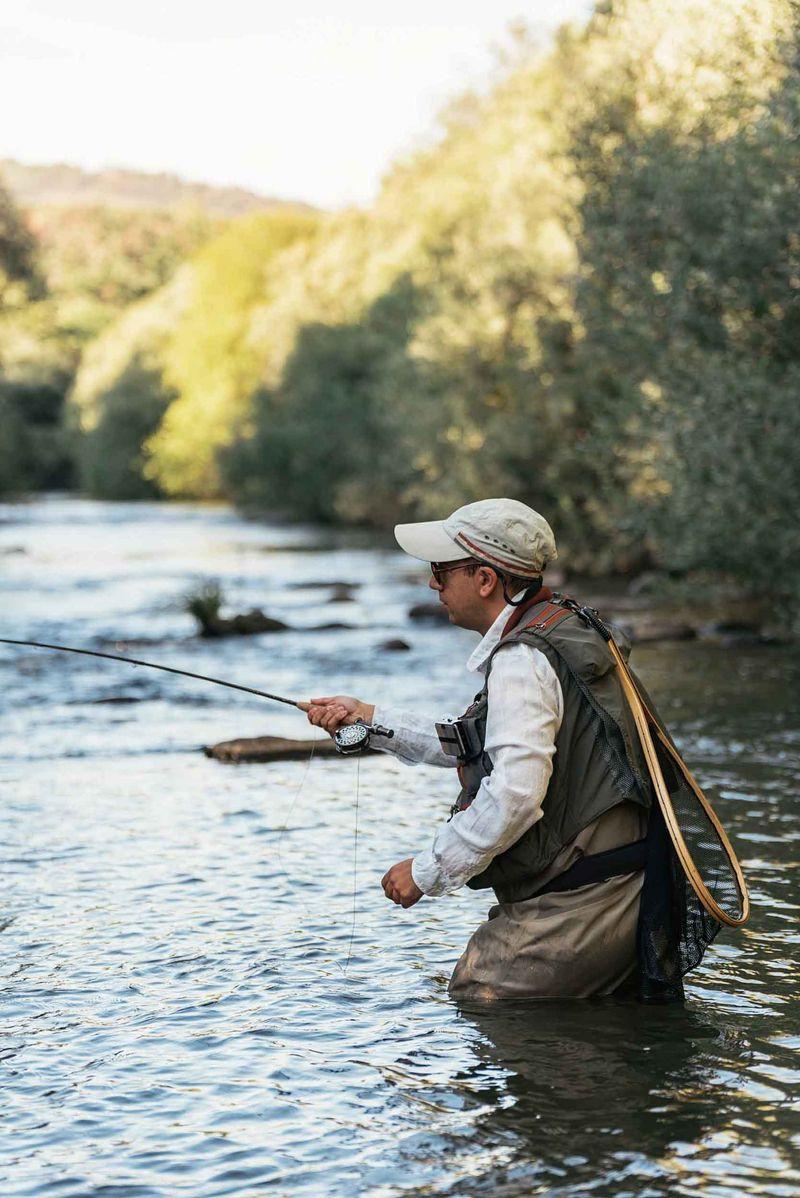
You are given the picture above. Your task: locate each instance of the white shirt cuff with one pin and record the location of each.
(427, 873)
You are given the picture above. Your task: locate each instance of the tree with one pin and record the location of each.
(213, 360)
(19, 275)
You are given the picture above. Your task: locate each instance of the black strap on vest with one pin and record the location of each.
(598, 867)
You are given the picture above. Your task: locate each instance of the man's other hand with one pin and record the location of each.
(332, 710)
(399, 886)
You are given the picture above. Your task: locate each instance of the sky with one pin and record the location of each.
(309, 101)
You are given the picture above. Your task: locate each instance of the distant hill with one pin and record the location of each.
(59, 184)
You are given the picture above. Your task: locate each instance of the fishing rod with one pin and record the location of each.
(349, 738)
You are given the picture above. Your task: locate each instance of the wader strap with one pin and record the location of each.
(598, 867)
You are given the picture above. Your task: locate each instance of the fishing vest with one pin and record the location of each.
(598, 762)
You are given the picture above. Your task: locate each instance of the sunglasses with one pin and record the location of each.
(440, 569)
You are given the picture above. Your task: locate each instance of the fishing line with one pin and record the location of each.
(285, 825)
(298, 791)
(355, 867)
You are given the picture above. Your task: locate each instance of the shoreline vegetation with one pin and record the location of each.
(585, 295)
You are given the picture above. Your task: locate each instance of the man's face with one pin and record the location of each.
(459, 590)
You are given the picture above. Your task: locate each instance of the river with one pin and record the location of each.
(204, 991)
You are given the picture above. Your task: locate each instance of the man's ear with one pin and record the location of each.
(487, 581)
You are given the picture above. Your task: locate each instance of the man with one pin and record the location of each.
(548, 760)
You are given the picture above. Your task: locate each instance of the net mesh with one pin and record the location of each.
(707, 850)
(675, 929)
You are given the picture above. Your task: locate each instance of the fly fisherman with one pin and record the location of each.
(549, 765)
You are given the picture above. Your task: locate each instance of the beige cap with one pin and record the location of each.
(501, 532)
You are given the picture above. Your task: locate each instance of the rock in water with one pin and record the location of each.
(429, 611)
(249, 623)
(646, 631)
(254, 621)
(733, 633)
(269, 748)
(272, 748)
(341, 593)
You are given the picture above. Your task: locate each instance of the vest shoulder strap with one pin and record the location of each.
(540, 620)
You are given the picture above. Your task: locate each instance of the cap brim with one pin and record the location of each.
(428, 541)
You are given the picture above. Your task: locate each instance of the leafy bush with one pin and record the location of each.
(212, 360)
(120, 394)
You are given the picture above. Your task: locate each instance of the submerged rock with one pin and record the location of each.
(643, 632)
(272, 748)
(248, 623)
(341, 593)
(429, 611)
(332, 626)
(205, 604)
(255, 622)
(318, 584)
(395, 644)
(739, 632)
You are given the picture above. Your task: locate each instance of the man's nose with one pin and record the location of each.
(433, 584)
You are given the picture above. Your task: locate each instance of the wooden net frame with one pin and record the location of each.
(645, 721)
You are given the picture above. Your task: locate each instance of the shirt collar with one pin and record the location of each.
(488, 642)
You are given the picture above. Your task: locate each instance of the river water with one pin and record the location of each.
(204, 991)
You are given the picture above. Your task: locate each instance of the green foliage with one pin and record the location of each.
(120, 395)
(687, 306)
(16, 451)
(110, 458)
(324, 448)
(603, 259)
(19, 274)
(65, 274)
(212, 360)
(31, 450)
(159, 393)
(205, 602)
(98, 260)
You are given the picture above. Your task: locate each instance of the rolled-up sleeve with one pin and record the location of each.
(524, 715)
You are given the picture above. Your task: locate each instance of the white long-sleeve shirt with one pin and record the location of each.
(526, 706)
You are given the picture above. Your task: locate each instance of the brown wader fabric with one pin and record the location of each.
(572, 944)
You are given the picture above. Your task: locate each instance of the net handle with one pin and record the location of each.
(643, 718)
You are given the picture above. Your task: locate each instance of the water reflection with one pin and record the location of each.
(587, 1088)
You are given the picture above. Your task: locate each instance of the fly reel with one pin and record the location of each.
(355, 738)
